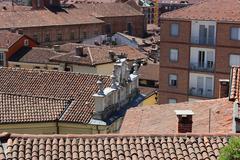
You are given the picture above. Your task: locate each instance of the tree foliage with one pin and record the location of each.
(231, 151)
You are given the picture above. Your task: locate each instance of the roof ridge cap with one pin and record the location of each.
(123, 135)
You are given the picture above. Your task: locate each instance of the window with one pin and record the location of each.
(38, 3)
(174, 29)
(234, 59)
(84, 35)
(36, 67)
(26, 42)
(35, 37)
(108, 29)
(68, 69)
(1, 57)
(172, 100)
(235, 33)
(173, 55)
(47, 37)
(173, 80)
(129, 28)
(55, 68)
(59, 37)
(72, 36)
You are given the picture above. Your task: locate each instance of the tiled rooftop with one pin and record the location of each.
(55, 84)
(235, 83)
(114, 147)
(162, 118)
(108, 9)
(7, 39)
(95, 55)
(149, 72)
(21, 19)
(34, 55)
(21, 108)
(83, 14)
(215, 10)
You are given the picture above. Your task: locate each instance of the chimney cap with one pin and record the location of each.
(184, 112)
(223, 80)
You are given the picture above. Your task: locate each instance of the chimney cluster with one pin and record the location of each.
(184, 120)
(124, 87)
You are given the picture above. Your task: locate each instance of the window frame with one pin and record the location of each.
(174, 61)
(231, 28)
(171, 29)
(232, 54)
(169, 80)
(172, 99)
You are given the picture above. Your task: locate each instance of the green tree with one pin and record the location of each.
(231, 151)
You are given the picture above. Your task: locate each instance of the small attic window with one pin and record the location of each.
(26, 42)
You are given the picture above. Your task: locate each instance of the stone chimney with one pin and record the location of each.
(112, 55)
(56, 48)
(184, 124)
(79, 51)
(223, 88)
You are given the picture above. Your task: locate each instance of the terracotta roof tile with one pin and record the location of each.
(112, 146)
(58, 85)
(215, 10)
(34, 55)
(95, 55)
(148, 119)
(21, 108)
(7, 39)
(149, 72)
(108, 9)
(235, 83)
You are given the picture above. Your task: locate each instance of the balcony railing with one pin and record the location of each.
(200, 92)
(209, 67)
(203, 41)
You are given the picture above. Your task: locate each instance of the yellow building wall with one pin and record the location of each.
(33, 65)
(149, 101)
(76, 128)
(84, 69)
(105, 69)
(30, 128)
(60, 127)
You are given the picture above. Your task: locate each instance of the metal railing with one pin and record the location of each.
(200, 92)
(202, 67)
(205, 41)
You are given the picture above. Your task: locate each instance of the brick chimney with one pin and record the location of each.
(184, 120)
(223, 88)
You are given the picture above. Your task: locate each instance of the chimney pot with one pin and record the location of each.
(184, 120)
(56, 48)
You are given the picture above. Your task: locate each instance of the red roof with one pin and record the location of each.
(114, 147)
(163, 120)
(210, 10)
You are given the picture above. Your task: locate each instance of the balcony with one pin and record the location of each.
(200, 92)
(203, 41)
(209, 67)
